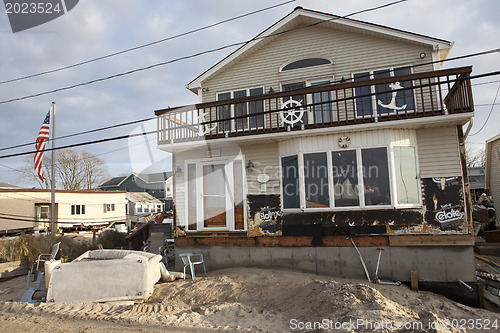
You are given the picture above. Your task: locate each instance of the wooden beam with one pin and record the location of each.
(362, 241)
(432, 240)
(414, 280)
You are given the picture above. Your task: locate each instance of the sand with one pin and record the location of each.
(253, 300)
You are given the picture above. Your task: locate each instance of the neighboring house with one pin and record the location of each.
(493, 170)
(25, 209)
(159, 185)
(140, 205)
(327, 128)
(477, 182)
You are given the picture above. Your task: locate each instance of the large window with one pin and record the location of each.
(384, 102)
(354, 177)
(345, 178)
(321, 109)
(246, 114)
(290, 181)
(376, 177)
(316, 180)
(405, 170)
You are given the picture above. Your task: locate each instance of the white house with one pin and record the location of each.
(319, 129)
(493, 170)
(23, 209)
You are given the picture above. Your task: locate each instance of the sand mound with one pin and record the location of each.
(259, 300)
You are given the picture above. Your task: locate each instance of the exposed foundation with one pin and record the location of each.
(439, 267)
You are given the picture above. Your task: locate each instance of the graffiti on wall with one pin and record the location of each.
(444, 203)
(264, 215)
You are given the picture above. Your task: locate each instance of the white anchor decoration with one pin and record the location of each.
(392, 105)
(208, 129)
(293, 112)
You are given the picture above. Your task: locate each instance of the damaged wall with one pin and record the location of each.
(442, 213)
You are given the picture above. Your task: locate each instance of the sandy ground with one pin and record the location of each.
(252, 300)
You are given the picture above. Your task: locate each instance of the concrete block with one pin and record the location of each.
(304, 259)
(328, 261)
(281, 257)
(460, 264)
(431, 263)
(259, 257)
(403, 260)
(350, 263)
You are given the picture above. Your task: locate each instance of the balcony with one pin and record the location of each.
(429, 94)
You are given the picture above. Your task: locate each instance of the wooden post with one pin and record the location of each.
(414, 280)
(480, 295)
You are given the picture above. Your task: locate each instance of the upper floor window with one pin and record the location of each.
(386, 98)
(248, 115)
(310, 62)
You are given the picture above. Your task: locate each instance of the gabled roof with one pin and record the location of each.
(115, 181)
(141, 197)
(308, 17)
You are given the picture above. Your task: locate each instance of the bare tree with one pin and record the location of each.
(475, 158)
(94, 170)
(75, 170)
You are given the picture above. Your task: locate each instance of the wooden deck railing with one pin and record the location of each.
(365, 101)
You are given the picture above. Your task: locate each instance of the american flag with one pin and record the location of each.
(41, 140)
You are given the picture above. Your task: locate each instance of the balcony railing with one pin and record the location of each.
(363, 101)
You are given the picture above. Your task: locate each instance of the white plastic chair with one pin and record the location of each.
(46, 256)
(187, 260)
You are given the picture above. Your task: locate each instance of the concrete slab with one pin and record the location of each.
(305, 259)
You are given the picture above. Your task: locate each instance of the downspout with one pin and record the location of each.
(467, 131)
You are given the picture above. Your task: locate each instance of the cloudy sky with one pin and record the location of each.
(97, 28)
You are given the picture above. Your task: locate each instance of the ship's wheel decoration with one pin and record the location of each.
(392, 105)
(344, 142)
(292, 112)
(204, 129)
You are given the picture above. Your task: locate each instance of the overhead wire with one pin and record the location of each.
(146, 45)
(150, 118)
(121, 137)
(496, 50)
(489, 114)
(194, 55)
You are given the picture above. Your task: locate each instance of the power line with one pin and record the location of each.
(147, 44)
(338, 81)
(84, 132)
(489, 114)
(254, 114)
(194, 55)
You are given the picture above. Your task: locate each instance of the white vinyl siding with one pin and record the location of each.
(438, 152)
(494, 173)
(350, 52)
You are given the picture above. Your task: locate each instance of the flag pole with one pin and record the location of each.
(53, 175)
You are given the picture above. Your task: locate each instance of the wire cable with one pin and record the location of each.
(84, 132)
(146, 45)
(254, 114)
(192, 55)
(489, 114)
